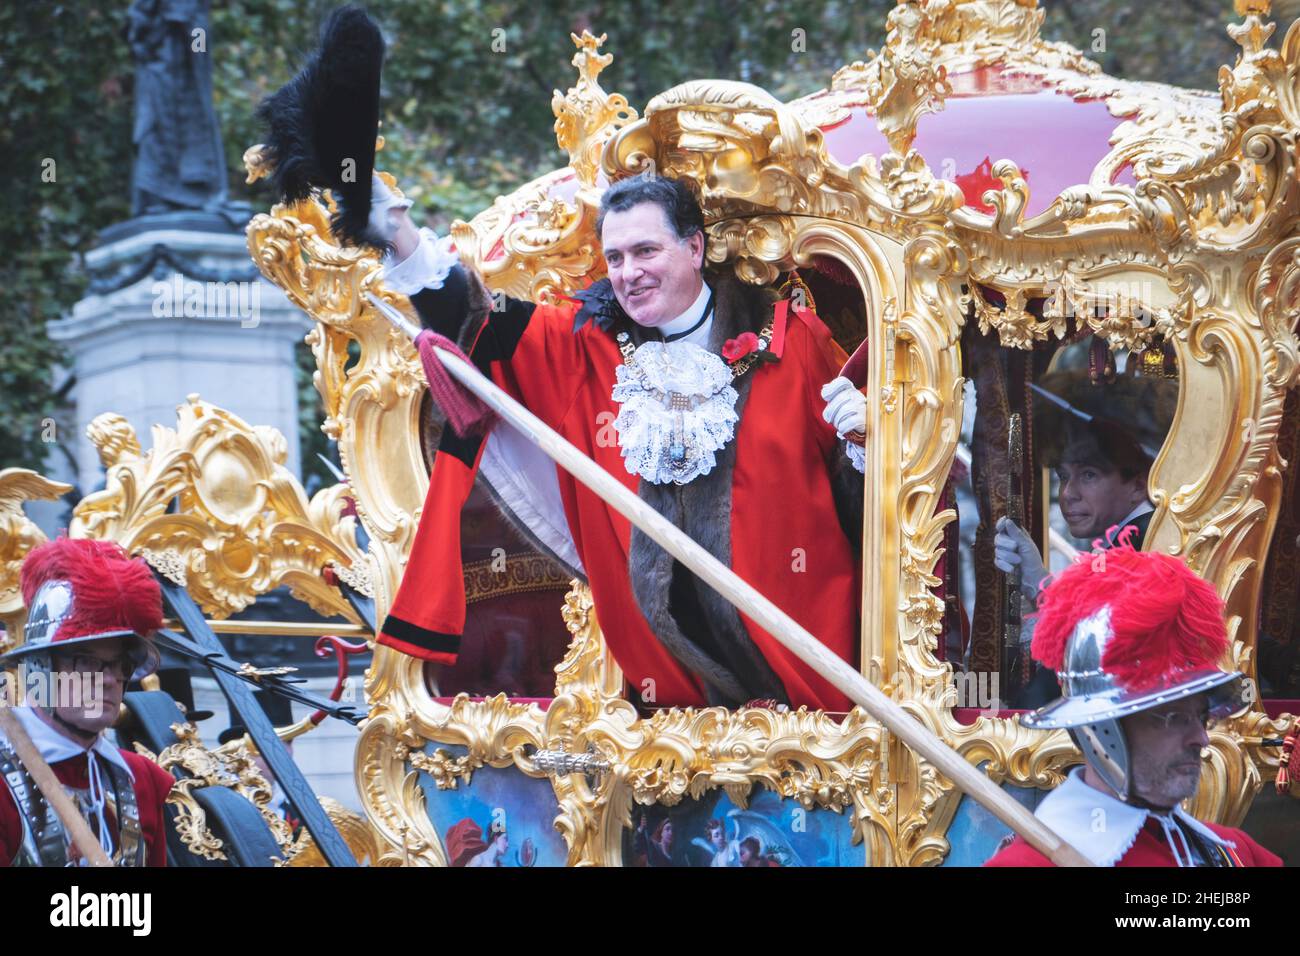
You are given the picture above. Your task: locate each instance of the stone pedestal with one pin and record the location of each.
(176, 307)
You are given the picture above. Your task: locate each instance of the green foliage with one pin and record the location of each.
(1182, 43)
(65, 100)
(464, 121)
(468, 85)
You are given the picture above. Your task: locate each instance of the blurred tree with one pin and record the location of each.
(467, 85)
(65, 155)
(1182, 43)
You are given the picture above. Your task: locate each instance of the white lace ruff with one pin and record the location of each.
(678, 410)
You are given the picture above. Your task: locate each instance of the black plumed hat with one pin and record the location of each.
(322, 124)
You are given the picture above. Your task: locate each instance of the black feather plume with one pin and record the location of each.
(322, 124)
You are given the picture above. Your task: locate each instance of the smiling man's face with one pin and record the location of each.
(655, 275)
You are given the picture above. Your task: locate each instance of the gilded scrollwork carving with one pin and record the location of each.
(1276, 300)
(931, 408)
(394, 751)
(547, 243)
(536, 244)
(390, 792)
(18, 535)
(233, 766)
(904, 82)
(243, 524)
(586, 116)
(678, 754)
(445, 768)
(229, 766)
(354, 829)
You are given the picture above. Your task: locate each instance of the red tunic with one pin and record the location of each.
(152, 784)
(786, 538)
(1149, 849)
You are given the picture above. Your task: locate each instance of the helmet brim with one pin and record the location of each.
(1225, 688)
(144, 651)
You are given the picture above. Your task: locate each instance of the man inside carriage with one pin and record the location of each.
(1103, 497)
(1100, 438)
(721, 405)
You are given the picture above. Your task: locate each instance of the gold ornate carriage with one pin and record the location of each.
(1159, 219)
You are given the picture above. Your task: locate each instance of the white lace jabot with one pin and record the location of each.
(678, 410)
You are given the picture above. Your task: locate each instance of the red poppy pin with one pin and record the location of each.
(733, 350)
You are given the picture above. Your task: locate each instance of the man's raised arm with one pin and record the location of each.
(449, 298)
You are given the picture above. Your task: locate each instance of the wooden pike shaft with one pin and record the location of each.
(752, 603)
(52, 790)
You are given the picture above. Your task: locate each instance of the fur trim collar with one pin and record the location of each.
(699, 627)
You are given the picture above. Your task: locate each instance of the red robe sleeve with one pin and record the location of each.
(825, 360)
(152, 785)
(533, 353)
(547, 365)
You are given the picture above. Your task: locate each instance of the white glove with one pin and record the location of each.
(385, 210)
(846, 407)
(1012, 548)
(425, 268)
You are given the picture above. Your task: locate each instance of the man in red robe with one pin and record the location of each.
(91, 612)
(708, 398)
(1135, 638)
(702, 394)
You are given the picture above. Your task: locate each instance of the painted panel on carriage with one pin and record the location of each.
(975, 833)
(714, 831)
(502, 817)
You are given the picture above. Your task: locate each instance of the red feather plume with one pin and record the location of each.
(1166, 620)
(111, 591)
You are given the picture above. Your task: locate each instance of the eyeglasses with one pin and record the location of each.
(123, 667)
(1182, 720)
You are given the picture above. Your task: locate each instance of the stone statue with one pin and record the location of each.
(179, 161)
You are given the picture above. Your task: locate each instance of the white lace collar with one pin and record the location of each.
(1104, 828)
(678, 409)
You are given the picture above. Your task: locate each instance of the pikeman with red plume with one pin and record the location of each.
(91, 615)
(1135, 639)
